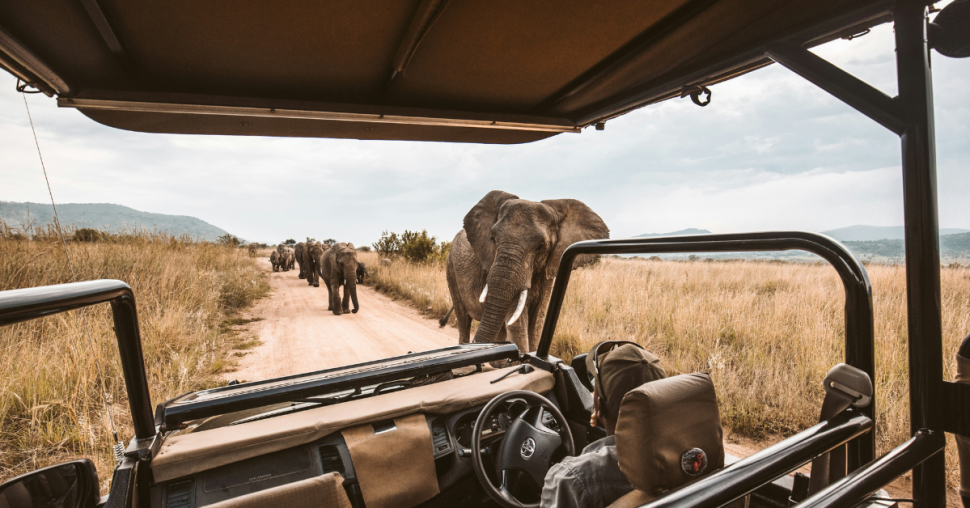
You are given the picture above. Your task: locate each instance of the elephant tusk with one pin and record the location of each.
(481, 299)
(519, 307)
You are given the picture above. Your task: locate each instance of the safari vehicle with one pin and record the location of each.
(435, 428)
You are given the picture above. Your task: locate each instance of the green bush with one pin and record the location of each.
(91, 235)
(413, 246)
(388, 245)
(229, 240)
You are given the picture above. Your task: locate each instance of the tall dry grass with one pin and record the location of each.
(51, 408)
(423, 284)
(766, 332)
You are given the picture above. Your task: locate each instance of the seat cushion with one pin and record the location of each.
(669, 432)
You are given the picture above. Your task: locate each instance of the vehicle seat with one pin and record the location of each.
(668, 433)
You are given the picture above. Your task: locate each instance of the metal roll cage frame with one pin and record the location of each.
(936, 406)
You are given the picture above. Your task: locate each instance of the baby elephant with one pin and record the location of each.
(361, 272)
(339, 267)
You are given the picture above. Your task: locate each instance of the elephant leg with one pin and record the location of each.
(335, 301)
(464, 327)
(329, 296)
(346, 302)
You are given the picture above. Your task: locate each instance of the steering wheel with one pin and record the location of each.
(527, 446)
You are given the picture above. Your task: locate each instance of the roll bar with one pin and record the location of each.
(25, 304)
(859, 330)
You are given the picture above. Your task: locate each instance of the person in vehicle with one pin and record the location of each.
(593, 478)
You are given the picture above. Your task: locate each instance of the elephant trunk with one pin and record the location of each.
(506, 287)
(351, 280)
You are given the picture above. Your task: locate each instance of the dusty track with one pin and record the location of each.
(300, 335)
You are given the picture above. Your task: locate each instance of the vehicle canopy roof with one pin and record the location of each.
(482, 71)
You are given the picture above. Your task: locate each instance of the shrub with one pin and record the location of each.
(329, 241)
(90, 235)
(418, 247)
(364, 248)
(291, 242)
(388, 245)
(227, 239)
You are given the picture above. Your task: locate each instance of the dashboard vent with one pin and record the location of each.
(330, 458)
(439, 437)
(180, 494)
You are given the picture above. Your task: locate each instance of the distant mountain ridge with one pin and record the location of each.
(108, 217)
(870, 243)
(688, 231)
(860, 233)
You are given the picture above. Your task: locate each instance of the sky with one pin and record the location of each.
(770, 152)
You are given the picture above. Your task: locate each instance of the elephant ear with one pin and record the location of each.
(577, 222)
(478, 225)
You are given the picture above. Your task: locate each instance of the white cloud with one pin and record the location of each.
(770, 152)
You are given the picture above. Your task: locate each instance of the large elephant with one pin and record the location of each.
(502, 265)
(314, 260)
(300, 251)
(339, 267)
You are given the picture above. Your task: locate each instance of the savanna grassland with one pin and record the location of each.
(767, 332)
(187, 294)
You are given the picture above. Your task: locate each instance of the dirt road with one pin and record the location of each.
(300, 335)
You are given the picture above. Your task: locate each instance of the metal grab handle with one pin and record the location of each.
(859, 328)
(19, 305)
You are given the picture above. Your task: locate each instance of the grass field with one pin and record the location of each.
(50, 404)
(766, 332)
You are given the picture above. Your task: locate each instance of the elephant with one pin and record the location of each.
(274, 259)
(285, 258)
(314, 260)
(502, 265)
(252, 250)
(339, 267)
(300, 251)
(385, 262)
(361, 272)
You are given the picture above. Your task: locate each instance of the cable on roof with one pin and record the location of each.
(118, 448)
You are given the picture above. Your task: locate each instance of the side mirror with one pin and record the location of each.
(69, 485)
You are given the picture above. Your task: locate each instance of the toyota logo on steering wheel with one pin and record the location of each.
(528, 448)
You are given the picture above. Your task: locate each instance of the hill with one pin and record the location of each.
(860, 233)
(953, 246)
(108, 217)
(688, 231)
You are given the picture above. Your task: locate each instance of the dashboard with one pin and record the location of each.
(451, 437)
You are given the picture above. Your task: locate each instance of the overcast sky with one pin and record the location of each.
(770, 152)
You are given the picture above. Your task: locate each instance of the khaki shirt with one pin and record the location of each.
(591, 479)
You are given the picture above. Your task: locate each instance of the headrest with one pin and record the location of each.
(620, 370)
(669, 432)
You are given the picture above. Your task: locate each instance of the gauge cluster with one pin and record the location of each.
(496, 425)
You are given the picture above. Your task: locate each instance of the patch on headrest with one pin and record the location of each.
(693, 462)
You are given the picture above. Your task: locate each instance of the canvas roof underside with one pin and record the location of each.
(489, 71)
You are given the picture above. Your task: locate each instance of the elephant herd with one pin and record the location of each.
(502, 265)
(500, 269)
(336, 265)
